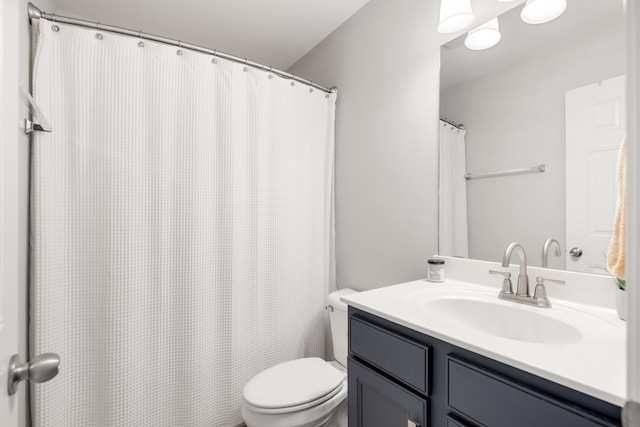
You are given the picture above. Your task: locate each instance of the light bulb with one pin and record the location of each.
(455, 15)
(542, 11)
(484, 36)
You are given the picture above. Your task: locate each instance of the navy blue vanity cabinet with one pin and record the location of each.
(388, 377)
(398, 376)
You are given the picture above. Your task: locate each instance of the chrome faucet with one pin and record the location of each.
(539, 299)
(545, 250)
(522, 289)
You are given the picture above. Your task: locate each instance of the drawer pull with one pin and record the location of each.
(411, 423)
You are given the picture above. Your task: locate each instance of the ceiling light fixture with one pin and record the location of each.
(455, 15)
(542, 11)
(484, 36)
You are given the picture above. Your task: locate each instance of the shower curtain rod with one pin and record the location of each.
(35, 13)
(452, 123)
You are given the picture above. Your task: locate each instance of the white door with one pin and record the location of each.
(8, 204)
(595, 120)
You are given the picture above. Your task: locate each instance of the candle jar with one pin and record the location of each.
(435, 270)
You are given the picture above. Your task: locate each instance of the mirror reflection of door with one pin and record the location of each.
(595, 123)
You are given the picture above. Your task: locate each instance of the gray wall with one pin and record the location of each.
(385, 63)
(516, 118)
(23, 167)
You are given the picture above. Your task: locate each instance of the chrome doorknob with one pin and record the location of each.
(42, 368)
(575, 252)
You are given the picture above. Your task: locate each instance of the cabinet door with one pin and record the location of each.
(454, 422)
(375, 401)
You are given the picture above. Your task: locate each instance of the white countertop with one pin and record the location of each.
(595, 365)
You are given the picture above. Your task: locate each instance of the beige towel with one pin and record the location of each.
(615, 257)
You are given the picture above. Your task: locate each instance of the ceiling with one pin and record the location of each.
(521, 41)
(273, 32)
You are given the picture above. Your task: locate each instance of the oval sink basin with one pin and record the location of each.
(503, 320)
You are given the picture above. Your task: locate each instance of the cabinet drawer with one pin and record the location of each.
(401, 358)
(496, 401)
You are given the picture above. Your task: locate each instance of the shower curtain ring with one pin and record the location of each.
(98, 34)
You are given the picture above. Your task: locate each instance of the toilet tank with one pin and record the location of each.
(339, 324)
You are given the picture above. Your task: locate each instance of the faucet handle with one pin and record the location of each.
(507, 288)
(540, 292)
(506, 274)
(541, 280)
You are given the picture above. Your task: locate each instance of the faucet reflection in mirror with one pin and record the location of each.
(545, 250)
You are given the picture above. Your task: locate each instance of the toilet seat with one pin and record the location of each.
(293, 386)
(289, 409)
(316, 416)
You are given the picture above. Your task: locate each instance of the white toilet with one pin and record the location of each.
(304, 392)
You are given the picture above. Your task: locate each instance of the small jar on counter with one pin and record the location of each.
(435, 271)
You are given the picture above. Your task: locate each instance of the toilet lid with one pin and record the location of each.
(292, 383)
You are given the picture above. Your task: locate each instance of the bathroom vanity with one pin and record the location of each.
(406, 367)
(398, 376)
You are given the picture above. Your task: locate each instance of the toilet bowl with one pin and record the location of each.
(308, 392)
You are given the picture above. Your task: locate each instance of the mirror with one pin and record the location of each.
(520, 102)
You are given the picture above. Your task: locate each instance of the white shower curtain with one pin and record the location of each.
(453, 234)
(181, 229)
